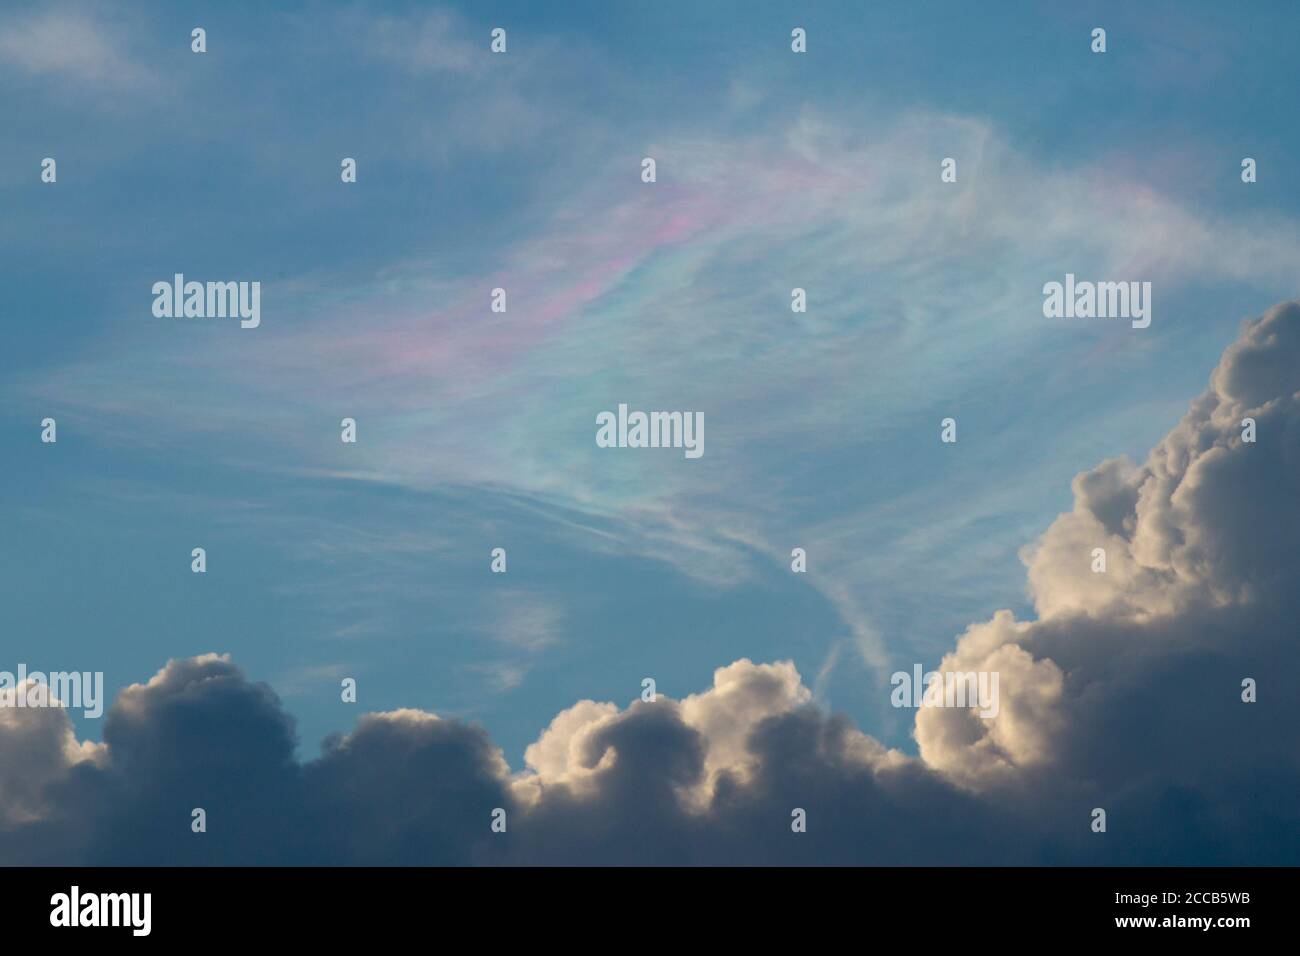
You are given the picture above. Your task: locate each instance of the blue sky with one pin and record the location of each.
(476, 430)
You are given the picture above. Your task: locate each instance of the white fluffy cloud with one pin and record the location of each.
(1209, 523)
(38, 747)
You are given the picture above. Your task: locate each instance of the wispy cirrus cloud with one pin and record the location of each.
(74, 44)
(676, 295)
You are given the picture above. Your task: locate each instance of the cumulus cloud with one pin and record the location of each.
(1123, 693)
(1185, 528)
(39, 746)
(1203, 534)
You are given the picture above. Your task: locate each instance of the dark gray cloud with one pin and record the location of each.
(1123, 693)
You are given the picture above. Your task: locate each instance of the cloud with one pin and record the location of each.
(71, 45)
(1201, 559)
(1123, 693)
(1183, 530)
(433, 43)
(39, 747)
(927, 285)
(525, 621)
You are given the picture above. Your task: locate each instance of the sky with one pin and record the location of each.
(476, 430)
